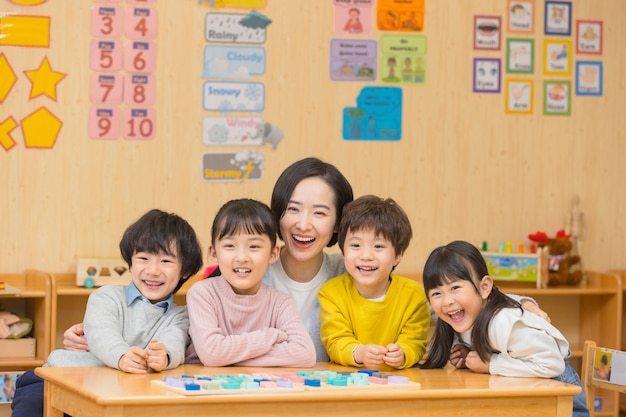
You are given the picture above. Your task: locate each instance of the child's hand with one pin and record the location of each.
(473, 362)
(371, 356)
(457, 355)
(394, 356)
(534, 308)
(134, 361)
(73, 339)
(157, 356)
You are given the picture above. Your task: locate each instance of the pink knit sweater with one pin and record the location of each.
(263, 329)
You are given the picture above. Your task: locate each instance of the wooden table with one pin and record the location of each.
(443, 392)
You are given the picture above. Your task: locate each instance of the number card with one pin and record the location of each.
(139, 124)
(141, 23)
(106, 88)
(107, 22)
(139, 56)
(106, 55)
(104, 123)
(139, 89)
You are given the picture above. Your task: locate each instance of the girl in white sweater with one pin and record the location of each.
(502, 338)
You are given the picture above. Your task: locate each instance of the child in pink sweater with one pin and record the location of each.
(235, 318)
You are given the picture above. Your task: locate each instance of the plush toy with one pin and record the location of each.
(560, 261)
(14, 327)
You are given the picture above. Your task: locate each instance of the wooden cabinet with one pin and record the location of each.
(31, 299)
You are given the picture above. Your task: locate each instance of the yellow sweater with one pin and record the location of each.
(348, 320)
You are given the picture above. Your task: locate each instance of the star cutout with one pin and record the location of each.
(44, 80)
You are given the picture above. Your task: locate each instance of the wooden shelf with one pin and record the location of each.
(34, 302)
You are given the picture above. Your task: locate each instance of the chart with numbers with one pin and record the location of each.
(123, 58)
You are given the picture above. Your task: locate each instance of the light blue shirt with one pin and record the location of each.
(132, 293)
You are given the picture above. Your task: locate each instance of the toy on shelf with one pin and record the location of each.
(574, 226)
(560, 261)
(95, 272)
(13, 326)
(504, 265)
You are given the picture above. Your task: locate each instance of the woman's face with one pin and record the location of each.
(309, 220)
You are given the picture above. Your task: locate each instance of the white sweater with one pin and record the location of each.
(529, 346)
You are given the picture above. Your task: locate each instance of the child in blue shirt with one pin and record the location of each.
(136, 328)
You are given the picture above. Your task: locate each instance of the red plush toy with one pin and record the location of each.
(560, 270)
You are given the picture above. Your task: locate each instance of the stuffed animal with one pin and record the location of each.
(560, 261)
(14, 327)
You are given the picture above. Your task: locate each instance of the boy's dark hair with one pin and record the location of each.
(154, 232)
(460, 260)
(244, 215)
(308, 168)
(384, 216)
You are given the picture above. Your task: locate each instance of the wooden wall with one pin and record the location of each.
(463, 169)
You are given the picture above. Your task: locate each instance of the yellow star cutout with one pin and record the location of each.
(44, 80)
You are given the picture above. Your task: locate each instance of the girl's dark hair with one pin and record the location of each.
(155, 232)
(308, 168)
(455, 261)
(244, 215)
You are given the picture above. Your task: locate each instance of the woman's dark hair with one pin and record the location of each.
(155, 232)
(244, 215)
(308, 168)
(460, 260)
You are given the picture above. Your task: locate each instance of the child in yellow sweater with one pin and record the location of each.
(370, 317)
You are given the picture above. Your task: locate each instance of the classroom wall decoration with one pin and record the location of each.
(589, 37)
(520, 56)
(448, 150)
(521, 16)
(487, 32)
(397, 56)
(519, 96)
(558, 57)
(487, 75)
(589, 78)
(40, 128)
(123, 58)
(558, 18)
(377, 115)
(232, 62)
